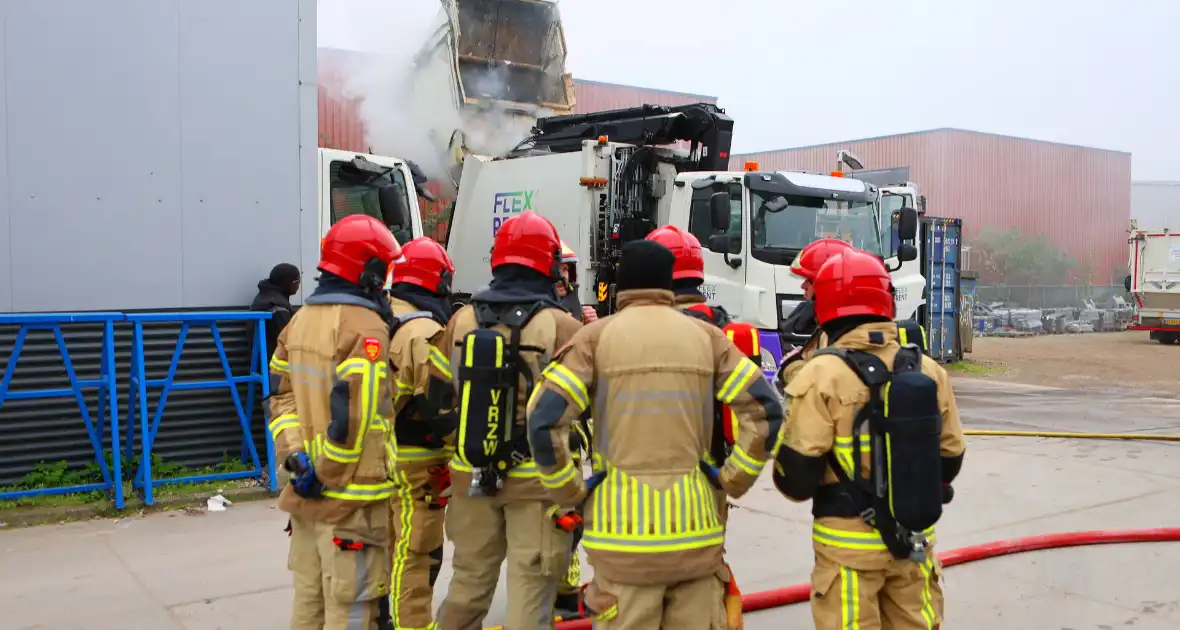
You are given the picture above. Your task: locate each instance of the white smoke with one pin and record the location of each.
(407, 100)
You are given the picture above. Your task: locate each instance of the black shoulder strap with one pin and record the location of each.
(874, 374)
(868, 368)
(692, 312)
(908, 359)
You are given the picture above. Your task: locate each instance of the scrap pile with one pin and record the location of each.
(1001, 320)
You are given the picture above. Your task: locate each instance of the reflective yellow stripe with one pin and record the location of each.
(440, 362)
(737, 381)
(903, 335)
(371, 376)
(564, 475)
(562, 377)
(927, 599)
(279, 365)
(864, 541)
(526, 470)
(407, 454)
(745, 462)
(850, 596)
(282, 423)
(401, 549)
(343, 456)
(844, 451)
(629, 516)
(362, 491)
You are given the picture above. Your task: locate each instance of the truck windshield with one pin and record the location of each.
(783, 225)
(356, 193)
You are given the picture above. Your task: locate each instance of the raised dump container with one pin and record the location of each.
(500, 64)
(942, 248)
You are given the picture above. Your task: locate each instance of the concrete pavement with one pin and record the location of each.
(225, 571)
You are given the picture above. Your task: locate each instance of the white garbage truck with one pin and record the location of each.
(610, 177)
(1154, 282)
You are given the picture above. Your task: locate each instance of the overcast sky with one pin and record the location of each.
(796, 72)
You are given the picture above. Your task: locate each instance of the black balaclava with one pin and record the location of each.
(517, 284)
(841, 326)
(645, 265)
(688, 286)
(439, 306)
(332, 283)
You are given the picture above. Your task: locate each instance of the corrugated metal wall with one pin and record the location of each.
(1156, 205)
(199, 427)
(1078, 197)
(595, 96)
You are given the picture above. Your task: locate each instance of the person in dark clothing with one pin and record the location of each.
(274, 296)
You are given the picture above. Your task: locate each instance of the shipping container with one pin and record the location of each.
(941, 253)
(1156, 205)
(1079, 198)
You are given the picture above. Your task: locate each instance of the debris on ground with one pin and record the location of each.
(217, 503)
(1008, 320)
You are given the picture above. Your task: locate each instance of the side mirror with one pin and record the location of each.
(1127, 283)
(393, 206)
(719, 211)
(906, 252)
(719, 243)
(907, 224)
(922, 204)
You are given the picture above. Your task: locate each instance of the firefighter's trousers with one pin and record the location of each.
(486, 531)
(417, 527)
(901, 595)
(693, 605)
(338, 588)
(571, 582)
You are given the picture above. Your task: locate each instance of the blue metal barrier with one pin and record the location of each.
(105, 383)
(138, 394)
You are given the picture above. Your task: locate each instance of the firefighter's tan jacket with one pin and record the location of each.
(823, 399)
(332, 400)
(409, 354)
(650, 376)
(549, 329)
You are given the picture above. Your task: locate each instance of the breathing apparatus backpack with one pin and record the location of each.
(490, 369)
(902, 495)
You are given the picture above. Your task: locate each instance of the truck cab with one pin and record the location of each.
(382, 187)
(753, 224)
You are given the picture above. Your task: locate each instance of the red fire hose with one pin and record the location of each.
(802, 592)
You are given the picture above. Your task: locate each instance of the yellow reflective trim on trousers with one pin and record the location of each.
(440, 362)
(564, 475)
(561, 376)
(850, 596)
(525, 470)
(745, 463)
(737, 381)
(863, 541)
(401, 548)
(362, 491)
(927, 597)
(628, 515)
(279, 365)
(282, 423)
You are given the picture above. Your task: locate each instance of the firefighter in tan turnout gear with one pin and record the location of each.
(650, 376)
(873, 438)
(330, 417)
(498, 509)
(419, 295)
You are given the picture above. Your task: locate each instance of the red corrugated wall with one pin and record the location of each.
(595, 96)
(1078, 197)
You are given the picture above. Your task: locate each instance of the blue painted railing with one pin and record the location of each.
(149, 422)
(108, 410)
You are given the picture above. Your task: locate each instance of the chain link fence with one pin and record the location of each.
(1048, 296)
